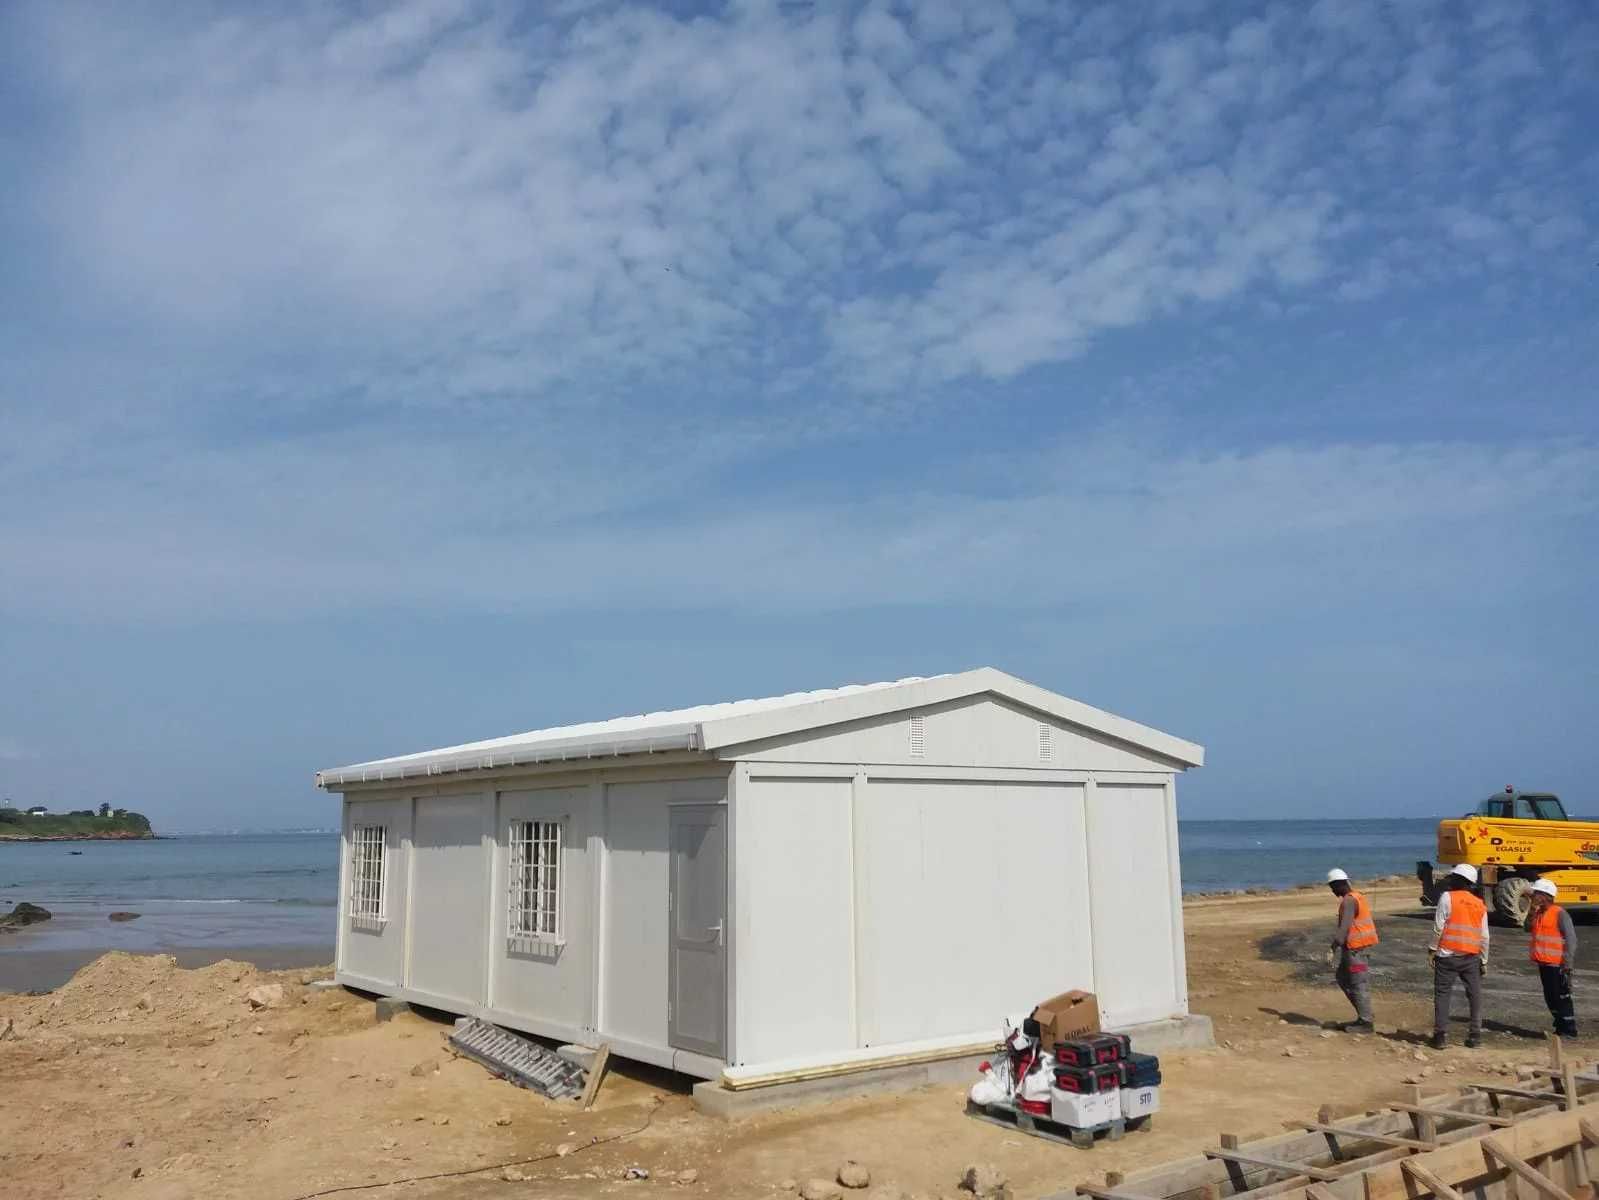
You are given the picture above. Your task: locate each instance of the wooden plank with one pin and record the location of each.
(1495, 1089)
(1588, 1130)
(1462, 1161)
(1316, 1191)
(591, 1088)
(1321, 1174)
(1525, 1170)
(1426, 1179)
(1391, 1139)
(1084, 1189)
(1456, 1114)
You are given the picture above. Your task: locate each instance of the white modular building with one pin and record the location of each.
(813, 881)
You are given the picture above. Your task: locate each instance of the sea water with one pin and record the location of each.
(1219, 856)
(242, 890)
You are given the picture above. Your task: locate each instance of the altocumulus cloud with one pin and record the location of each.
(391, 294)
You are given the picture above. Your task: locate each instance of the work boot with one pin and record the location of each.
(1358, 1027)
(1439, 1042)
(1473, 1040)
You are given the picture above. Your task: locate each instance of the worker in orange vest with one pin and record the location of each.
(1459, 952)
(1357, 933)
(1554, 949)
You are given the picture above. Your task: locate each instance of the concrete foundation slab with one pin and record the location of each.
(581, 1056)
(1192, 1032)
(386, 1008)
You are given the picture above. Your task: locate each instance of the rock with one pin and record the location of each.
(1327, 1033)
(8, 1030)
(503, 1120)
(138, 1172)
(820, 1189)
(441, 1120)
(428, 1066)
(1420, 1056)
(268, 995)
(119, 1040)
(146, 1003)
(513, 1175)
(886, 1191)
(788, 1185)
(688, 1176)
(564, 1149)
(24, 914)
(636, 1173)
(984, 1180)
(122, 916)
(853, 1175)
(389, 1143)
(258, 1030)
(1290, 1052)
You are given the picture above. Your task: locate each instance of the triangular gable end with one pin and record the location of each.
(976, 718)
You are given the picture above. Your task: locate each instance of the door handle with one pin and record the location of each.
(717, 930)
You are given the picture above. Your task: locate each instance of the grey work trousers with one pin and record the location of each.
(1354, 976)
(1446, 969)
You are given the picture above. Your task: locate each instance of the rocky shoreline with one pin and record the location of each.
(116, 836)
(1380, 881)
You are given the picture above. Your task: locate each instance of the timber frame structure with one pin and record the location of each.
(1484, 1141)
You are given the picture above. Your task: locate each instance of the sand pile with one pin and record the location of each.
(140, 997)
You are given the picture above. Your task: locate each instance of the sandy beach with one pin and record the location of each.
(141, 1066)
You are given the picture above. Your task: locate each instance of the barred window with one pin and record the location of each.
(366, 872)
(535, 881)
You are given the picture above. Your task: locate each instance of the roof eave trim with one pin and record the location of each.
(573, 750)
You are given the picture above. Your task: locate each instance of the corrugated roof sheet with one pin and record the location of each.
(673, 729)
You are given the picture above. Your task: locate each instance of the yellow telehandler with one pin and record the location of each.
(1512, 839)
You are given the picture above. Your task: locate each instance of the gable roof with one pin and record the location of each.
(717, 727)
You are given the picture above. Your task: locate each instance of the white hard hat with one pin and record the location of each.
(1544, 886)
(1466, 871)
(1337, 873)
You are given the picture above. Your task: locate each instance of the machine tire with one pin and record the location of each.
(1513, 899)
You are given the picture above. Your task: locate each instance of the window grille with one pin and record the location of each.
(535, 881)
(918, 737)
(1046, 741)
(366, 872)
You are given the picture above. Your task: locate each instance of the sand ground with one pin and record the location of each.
(142, 1079)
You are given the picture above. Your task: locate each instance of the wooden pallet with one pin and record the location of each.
(1010, 1117)
(1483, 1141)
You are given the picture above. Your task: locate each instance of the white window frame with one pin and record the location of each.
(535, 879)
(369, 852)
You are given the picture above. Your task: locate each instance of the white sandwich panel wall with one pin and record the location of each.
(634, 947)
(548, 978)
(375, 950)
(794, 916)
(976, 732)
(1136, 923)
(973, 904)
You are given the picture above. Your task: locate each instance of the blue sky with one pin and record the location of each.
(377, 377)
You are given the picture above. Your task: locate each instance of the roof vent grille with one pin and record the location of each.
(918, 737)
(1046, 741)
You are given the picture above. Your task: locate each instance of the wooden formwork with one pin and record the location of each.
(1481, 1142)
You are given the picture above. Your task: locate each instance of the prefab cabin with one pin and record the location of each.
(829, 877)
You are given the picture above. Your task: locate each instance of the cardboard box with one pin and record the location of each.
(1140, 1102)
(1084, 1112)
(1068, 1015)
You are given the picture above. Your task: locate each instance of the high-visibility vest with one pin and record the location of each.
(1548, 946)
(1362, 930)
(1463, 931)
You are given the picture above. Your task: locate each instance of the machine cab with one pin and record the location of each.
(1521, 806)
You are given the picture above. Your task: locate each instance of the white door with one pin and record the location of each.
(450, 875)
(697, 1013)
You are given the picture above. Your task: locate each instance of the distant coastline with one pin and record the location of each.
(119, 826)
